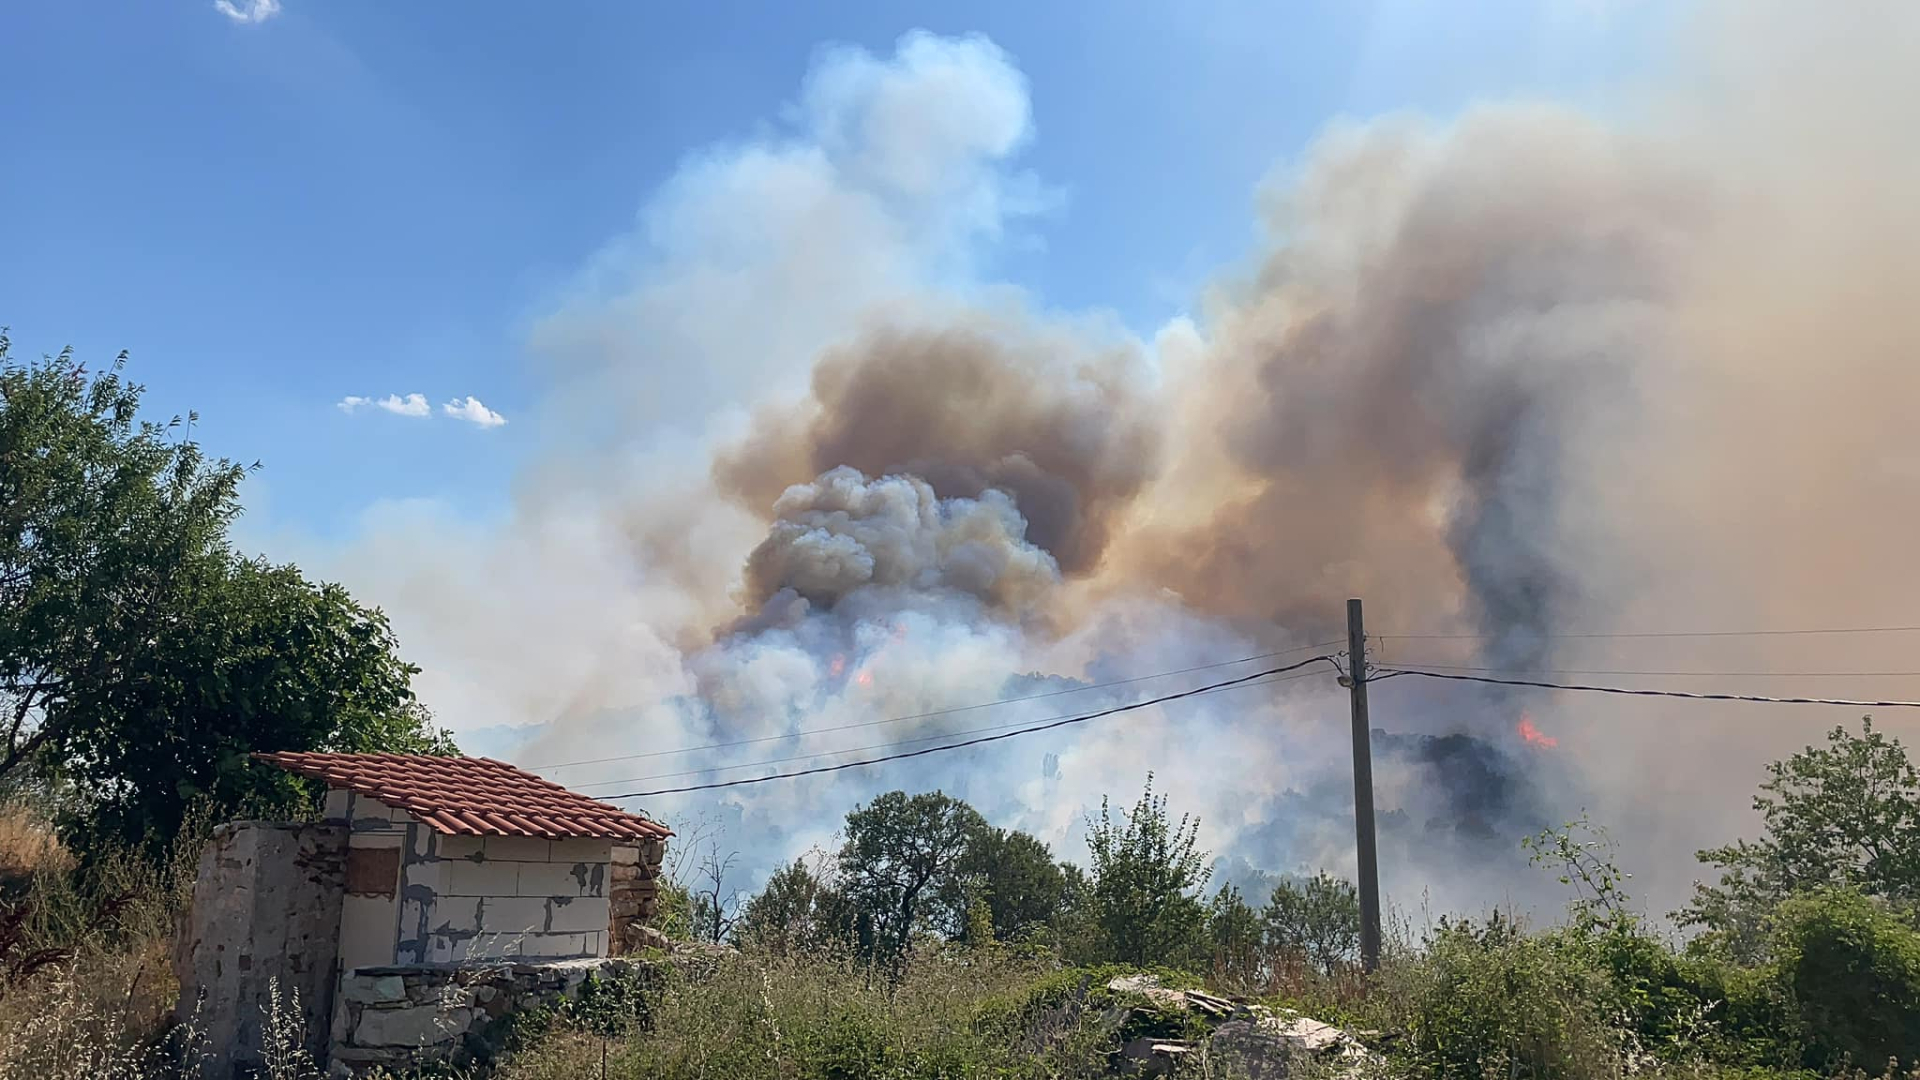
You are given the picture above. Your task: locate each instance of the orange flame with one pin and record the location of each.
(837, 665)
(865, 678)
(1534, 735)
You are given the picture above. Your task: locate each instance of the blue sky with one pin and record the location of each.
(370, 198)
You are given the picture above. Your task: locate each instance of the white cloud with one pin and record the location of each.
(470, 410)
(248, 11)
(411, 405)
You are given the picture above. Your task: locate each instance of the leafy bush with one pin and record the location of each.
(1853, 971)
(1489, 999)
(1148, 872)
(1846, 814)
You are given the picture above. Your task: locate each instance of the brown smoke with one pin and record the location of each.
(1383, 409)
(985, 404)
(1525, 373)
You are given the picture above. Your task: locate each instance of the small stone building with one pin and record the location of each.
(419, 864)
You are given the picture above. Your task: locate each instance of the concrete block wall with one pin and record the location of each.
(468, 898)
(519, 897)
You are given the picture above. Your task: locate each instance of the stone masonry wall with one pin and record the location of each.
(401, 1018)
(633, 893)
(264, 923)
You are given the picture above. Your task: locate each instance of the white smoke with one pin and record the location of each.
(807, 472)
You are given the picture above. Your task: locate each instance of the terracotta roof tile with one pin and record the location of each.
(471, 796)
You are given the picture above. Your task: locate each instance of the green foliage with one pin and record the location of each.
(1853, 971)
(1147, 874)
(797, 911)
(1489, 999)
(1235, 934)
(141, 659)
(1015, 876)
(1317, 919)
(950, 1014)
(901, 852)
(1076, 933)
(1581, 854)
(1846, 814)
(616, 1006)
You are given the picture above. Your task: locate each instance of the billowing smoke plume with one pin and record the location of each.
(971, 407)
(893, 544)
(1383, 410)
(1514, 376)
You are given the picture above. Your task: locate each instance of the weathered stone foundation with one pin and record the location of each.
(407, 1017)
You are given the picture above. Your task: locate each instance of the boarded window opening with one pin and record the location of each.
(373, 871)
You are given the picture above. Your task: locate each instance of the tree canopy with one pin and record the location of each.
(901, 851)
(142, 658)
(1844, 814)
(1317, 919)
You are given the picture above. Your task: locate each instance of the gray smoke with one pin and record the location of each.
(1518, 374)
(1049, 419)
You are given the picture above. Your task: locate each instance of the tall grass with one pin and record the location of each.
(99, 994)
(824, 1016)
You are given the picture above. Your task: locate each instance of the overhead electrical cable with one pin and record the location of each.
(1660, 634)
(935, 737)
(1387, 673)
(1061, 722)
(1618, 671)
(928, 715)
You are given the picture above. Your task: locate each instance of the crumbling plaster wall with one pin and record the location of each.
(262, 927)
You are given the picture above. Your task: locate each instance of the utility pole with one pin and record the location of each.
(1363, 790)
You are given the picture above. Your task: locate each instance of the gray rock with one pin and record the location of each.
(422, 1025)
(1243, 1048)
(1266, 1048)
(373, 989)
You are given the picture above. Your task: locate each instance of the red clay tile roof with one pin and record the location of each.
(471, 796)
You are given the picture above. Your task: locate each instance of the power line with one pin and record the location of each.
(1395, 672)
(1662, 634)
(935, 737)
(926, 715)
(1062, 722)
(1616, 671)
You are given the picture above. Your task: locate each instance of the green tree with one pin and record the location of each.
(1014, 875)
(901, 852)
(1317, 919)
(1147, 874)
(798, 910)
(141, 659)
(1075, 930)
(1844, 814)
(1234, 933)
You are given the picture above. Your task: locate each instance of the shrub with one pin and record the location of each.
(1489, 999)
(1852, 970)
